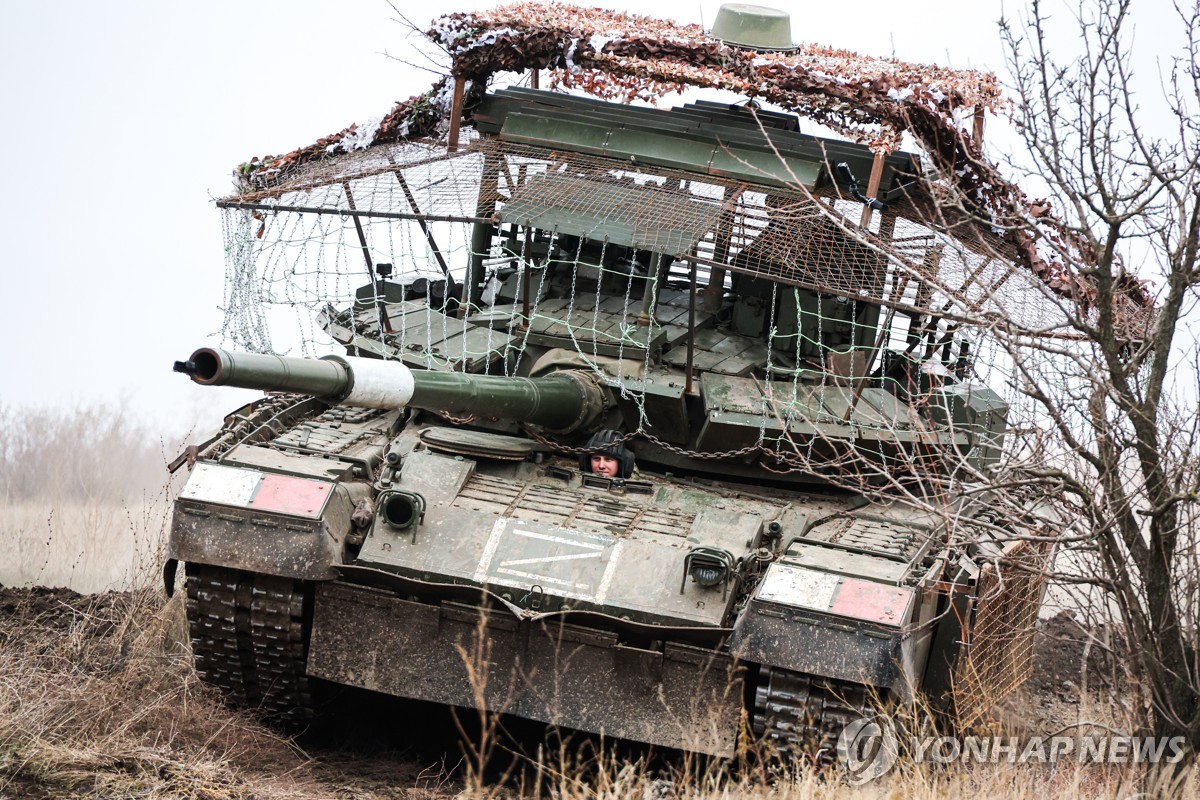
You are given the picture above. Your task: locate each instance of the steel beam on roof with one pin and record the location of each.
(346, 212)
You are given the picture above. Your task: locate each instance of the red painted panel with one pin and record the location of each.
(874, 602)
(299, 496)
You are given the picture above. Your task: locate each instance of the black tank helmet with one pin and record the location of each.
(607, 442)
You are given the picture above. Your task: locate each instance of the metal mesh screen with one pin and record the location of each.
(601, 257)
(998, 653)
(809, 238)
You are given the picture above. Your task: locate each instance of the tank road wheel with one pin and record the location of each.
(802, 716)
(249, 637)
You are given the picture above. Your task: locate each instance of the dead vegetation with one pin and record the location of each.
(98, 699)
(87, 453)
(84, 497)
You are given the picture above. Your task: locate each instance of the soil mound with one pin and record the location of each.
(56, 609)
(99, 699)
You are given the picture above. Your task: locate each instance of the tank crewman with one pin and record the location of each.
(606, 455)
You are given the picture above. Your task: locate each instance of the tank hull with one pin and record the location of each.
(523, 588)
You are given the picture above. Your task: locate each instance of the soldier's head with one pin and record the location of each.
(607, 456)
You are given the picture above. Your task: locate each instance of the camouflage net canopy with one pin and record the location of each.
(420, 208)
(871, 100)
(807, 238)
(626, 263)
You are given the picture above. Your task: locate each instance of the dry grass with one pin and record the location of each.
(86, 547)
(913, 783)
(97, 694)
(100, 700)
(84, 498)
(86, 454)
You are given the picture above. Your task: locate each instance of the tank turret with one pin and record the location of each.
(564, 402)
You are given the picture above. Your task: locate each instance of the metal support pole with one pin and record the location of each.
(887, 225)
(691, 351)
(883, 334)
(873, 187)
(526, 277)
(385, 323)
(412, 203)
(716, 276)
(481, 234)
(362, 238)
(342, 212)
(456, 107)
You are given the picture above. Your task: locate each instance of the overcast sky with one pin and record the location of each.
(123, 121)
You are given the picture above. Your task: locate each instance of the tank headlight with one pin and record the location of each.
(708, 567)
(402, 510)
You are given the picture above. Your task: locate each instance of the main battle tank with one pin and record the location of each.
(420, 517)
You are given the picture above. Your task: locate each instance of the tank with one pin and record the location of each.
(673, 452)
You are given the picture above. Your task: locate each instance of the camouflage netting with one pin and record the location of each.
(871, 100)
(307, 229)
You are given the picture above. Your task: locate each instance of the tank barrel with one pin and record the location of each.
(210, 367)
(564, 401)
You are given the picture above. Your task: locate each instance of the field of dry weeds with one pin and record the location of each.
(98, 697)
(84, 498)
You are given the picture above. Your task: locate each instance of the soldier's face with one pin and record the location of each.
(604, 465)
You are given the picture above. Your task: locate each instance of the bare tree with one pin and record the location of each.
(1118, 388)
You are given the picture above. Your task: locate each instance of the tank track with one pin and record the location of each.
(801, 716)
(250, 638)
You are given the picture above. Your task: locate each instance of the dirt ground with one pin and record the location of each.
(1077, 678)
(347, 763)
(51, 609)
(97, 699)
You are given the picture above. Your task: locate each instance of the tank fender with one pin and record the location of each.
(170, 567)
(263, 522)
(825, 624)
